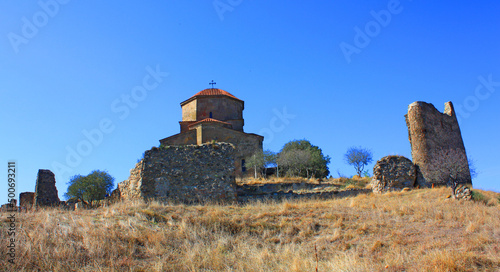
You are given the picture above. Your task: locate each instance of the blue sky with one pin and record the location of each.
(338, 73)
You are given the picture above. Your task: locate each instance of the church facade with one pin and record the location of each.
(216, 115)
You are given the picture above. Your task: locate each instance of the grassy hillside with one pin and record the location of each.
(419, 230)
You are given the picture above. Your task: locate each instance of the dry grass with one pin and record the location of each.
(419, 230)
(273, 179)
(349, 183)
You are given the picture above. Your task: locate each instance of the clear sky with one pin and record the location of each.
(337, 73)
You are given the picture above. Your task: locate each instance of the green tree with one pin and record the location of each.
(296, 162)
(260, 160)
(89, 188)
(358, 157)
(301, 158)
(255, 161)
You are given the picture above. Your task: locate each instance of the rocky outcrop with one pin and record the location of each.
(462, 192)
(393, 173)
(193, 173)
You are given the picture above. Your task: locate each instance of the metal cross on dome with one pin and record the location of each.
(212, 83)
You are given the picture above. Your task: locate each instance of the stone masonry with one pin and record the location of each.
(393, 173)
(9, 207)
(437, 147)
(27, 200)
(188, 174)
(214, 115)
(45, 189)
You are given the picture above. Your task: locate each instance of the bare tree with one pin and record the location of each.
(472, 168)
(451, 170)
(358, 157)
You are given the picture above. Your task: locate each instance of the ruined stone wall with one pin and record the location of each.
(9, 206)
(246, 144)
(183, 174)
(393, 173)
(45, 189)
(437, 147)
(27, 200)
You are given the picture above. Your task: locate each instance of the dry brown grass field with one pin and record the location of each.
(419, 230)
(332, 183)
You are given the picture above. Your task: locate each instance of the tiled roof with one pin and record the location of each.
(214, 91)
(209, 120)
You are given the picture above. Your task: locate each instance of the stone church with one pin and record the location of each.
(216, 115)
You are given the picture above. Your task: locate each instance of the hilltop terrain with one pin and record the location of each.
(418, 230)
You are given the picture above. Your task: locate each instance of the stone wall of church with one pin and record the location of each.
(186, 138)
(189, 111)
(193, 173)
(222, 108)
(245, 144)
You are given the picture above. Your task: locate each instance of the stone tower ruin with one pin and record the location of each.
(437, 147)
(46, 191)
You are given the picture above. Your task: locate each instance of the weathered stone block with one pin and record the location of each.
(463, 193)
(393, 173)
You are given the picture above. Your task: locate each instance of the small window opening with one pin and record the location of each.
(243, 167)
(210, 114)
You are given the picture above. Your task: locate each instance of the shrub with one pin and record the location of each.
(478, 197)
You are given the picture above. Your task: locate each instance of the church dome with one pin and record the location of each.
(211, 92)
(214, 91)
